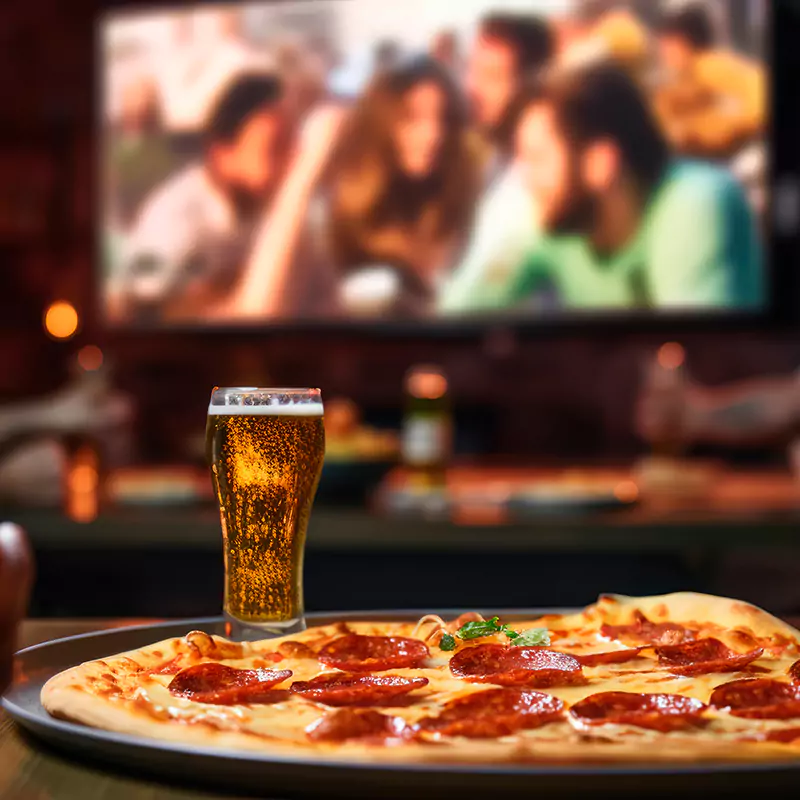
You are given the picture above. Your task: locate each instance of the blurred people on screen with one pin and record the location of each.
(394, 189)
(602, 30)
(405, 179)
(508, 49)
(200, 63)
(304, 78)
(138, 153)
(623, 223)
(192, 233)
(387, 55)
(339, 178)
(713, 100)
(445, 49)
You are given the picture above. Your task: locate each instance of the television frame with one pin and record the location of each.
(782, 247)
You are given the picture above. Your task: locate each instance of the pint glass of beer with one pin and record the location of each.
(265, 448)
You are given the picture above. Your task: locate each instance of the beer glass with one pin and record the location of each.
(265, 448)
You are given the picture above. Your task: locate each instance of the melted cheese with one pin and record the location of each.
(289, 719)
(118, 681)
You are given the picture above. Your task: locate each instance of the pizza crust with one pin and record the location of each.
(692, 608)
(113, 694)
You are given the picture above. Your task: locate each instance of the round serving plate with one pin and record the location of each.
(280, 776)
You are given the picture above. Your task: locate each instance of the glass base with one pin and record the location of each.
(245, 631)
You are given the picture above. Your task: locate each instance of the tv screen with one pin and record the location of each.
(347, 160)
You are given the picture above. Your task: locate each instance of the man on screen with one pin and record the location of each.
(712, 100)
(508, 49)
(193, 231)
(623, 223)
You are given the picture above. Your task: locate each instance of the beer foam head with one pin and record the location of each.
(266, 402)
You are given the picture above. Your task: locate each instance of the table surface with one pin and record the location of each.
(28, 772)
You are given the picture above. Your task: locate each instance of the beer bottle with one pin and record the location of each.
(427, 434)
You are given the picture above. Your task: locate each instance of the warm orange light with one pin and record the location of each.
(671, 355)
(61, 320)
(90, 358)
(83, 479)
(626, 492)
(82, 486)
(427, 385)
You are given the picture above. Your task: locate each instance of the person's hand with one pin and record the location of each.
(86, 405)
(16, 575)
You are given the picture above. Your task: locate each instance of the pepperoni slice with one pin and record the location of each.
(356, 653)
(612, 657)
(516, 666)
(296, 650)
(495, 712)
(660, 712)
(340, 689)
(221, 685)
(794, 672)
(758, 698)
(643, 631)
(347, 724)
(704, 656)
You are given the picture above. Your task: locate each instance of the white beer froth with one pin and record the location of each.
(276, 409)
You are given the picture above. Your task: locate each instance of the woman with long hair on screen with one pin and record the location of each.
(385, 192)
(404, 182)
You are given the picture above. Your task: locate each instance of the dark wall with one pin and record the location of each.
(566, 392)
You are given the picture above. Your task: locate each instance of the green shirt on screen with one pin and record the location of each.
(697, 247)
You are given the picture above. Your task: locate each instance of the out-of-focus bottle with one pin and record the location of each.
(82, 490)
(427, 436)
(668, 384)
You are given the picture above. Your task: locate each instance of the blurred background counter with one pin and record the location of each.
(550, 541)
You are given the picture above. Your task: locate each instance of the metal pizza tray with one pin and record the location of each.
(283, 776)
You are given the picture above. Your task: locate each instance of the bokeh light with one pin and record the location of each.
(671, 355)
(427, 385)
(90, 358)
(61, 320)
(626, 492)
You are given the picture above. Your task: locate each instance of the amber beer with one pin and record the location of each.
(265, 448)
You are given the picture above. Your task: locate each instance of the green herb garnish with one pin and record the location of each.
(534, 637)
(479, 628)
(447, 642)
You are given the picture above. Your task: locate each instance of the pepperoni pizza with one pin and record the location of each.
(701, 677)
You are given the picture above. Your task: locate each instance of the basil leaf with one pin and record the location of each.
(534, 637)
(447, 642)
(479, 628)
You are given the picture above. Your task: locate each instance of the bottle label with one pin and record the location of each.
(425, 440)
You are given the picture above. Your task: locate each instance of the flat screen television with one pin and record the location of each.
(434, 163)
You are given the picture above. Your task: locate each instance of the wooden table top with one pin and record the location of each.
(30, 772)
